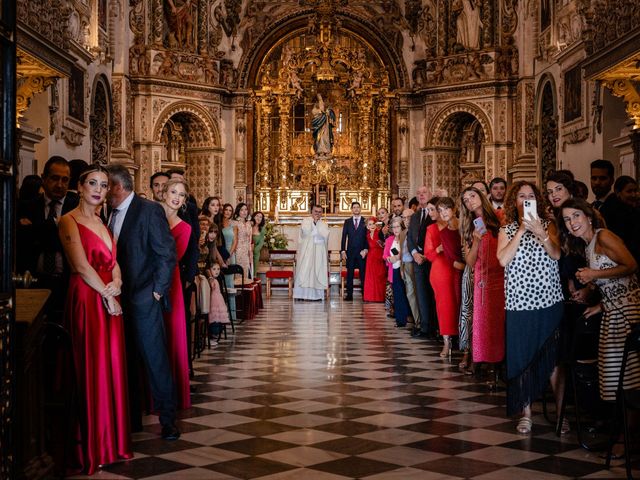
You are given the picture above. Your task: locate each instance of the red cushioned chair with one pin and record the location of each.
(284, 262)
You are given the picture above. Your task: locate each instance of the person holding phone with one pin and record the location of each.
(392, 254)
(479, 227)
(529, 249)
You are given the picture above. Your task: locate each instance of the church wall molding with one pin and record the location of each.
(187, 107)
(434, 131)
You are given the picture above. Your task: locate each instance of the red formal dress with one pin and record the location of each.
(99, 363)
(375, 281)
(175, 322)
(445, 280)
(488, 303)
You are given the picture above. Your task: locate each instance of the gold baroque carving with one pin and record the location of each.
(27, 87)
(629, 90)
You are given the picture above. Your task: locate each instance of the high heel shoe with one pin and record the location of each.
(464, 363)
(446, 349)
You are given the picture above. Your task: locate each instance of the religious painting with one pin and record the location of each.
(76, 93)
(573, 94)
(545, 14)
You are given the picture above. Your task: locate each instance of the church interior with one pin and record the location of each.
(439, 93)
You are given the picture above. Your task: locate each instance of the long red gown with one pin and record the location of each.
(175, 321)
(445, 281)
(99, 362)
(488, 303)
(375, 281)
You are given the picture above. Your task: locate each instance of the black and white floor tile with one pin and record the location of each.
(331, 390)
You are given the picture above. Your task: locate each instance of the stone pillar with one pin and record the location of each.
(240, 148)
(403, 154)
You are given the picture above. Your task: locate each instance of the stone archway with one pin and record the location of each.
(186, 137)
(457, 152)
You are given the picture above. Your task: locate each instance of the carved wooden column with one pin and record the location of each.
(365, 107)
(282, 168)
(157, 15)
(266, 108)
(383, 144)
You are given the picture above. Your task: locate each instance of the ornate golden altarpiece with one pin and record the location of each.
(308, 73)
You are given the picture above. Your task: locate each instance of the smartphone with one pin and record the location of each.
(530, 209)
(480, 226)
(394, 250)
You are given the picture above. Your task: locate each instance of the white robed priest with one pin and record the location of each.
(311, 264)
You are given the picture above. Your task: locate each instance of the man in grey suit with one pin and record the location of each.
(146, 253)
(422, 267)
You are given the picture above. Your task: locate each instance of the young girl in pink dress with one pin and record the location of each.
(218, 311)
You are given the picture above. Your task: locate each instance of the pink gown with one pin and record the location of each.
(375, 281)
(488, 303)
(100, 364)
(218, 312)
(175, 322)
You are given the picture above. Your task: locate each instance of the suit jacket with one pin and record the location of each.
(146, 253)
(417, 232)
(354, 241)
(41, 235)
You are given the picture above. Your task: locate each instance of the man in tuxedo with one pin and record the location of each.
(147, 257)
(38, 247)
(353, 247)
(422, 267)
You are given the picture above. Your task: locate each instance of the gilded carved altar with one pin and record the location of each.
(322, 70)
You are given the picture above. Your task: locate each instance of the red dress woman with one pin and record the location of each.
(174, 196)
(445, 279)
(488, 304)
(94, 319)
(375, 281)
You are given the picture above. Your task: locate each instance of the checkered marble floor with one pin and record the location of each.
(333, 391)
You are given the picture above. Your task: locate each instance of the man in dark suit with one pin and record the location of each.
(353, 247)
(602, 176)
(422, 267)
(38, 247)
(147, 257)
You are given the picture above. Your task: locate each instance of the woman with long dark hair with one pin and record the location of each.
(257, 224)
(479, 227)
(529, 249)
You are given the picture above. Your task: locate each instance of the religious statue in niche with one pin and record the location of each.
(468, 24)
(180, 16)
(323, 122)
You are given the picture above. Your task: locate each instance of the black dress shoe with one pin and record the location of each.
(170, 432)
(419, 334)
(348, 298)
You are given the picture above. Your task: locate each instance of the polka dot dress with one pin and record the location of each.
(532, 278)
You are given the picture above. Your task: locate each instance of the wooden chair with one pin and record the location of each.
(284, 262)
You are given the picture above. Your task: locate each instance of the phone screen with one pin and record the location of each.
(480, 226)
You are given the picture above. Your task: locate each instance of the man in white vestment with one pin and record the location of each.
(311, 265)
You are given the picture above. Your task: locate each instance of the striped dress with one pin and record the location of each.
(621, 305)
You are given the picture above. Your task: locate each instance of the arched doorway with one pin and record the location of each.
(190, 142)
(548, 141)
(457, 154)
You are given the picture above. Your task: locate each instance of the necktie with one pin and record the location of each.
(112, 221)
(49, 256)
(499, 207)
(355, 223)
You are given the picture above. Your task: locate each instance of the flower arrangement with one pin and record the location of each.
(274, 239)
